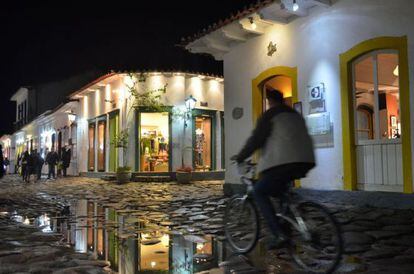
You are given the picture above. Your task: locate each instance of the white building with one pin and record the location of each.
(157, 140)
(345, 64)
(53, 129)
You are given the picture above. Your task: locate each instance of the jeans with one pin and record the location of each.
(272, 183)
(51, 171)
(39, 172)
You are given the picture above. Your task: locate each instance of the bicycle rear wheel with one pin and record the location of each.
(241, 224)
(317, 245)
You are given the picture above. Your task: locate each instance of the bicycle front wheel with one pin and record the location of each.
(316, 242)
(241, 224)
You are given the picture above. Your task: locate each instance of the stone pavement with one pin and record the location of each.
(377, 240)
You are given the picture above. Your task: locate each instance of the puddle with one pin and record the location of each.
(137, 241)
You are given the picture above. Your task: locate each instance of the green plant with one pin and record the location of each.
(143, 97)
(123, 169)
(121, 140)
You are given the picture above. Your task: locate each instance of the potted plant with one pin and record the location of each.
(123, 173)
(184, 174)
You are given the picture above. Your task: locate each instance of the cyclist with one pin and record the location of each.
(286, 154)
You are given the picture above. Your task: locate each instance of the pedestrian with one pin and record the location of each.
(40, 163)
(6, 165)
(66, 155)
(52, 159)
(17, 165)
(1, 162)
(24, 164)
(33, 164)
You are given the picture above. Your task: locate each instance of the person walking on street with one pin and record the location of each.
(23, 165)
(51, 159)
(65, 159)
(32, 164)
(1, 162)
(40, 163)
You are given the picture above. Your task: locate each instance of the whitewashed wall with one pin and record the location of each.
(179, 87)
(47, 124)
(313, 45)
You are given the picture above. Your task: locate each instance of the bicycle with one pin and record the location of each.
(315, 241)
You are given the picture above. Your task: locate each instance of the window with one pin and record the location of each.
(101, 145)
(91, 147)
(376, 96)
(154, 142)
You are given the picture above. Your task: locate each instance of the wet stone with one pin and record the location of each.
(357, 238)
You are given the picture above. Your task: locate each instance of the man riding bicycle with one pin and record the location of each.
(286, 154)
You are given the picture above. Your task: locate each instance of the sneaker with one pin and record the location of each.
(276, 243)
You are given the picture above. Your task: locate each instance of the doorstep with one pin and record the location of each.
(157, 176)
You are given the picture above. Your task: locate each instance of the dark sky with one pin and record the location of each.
(56, 40)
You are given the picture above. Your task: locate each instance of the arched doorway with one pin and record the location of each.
(376, 115)
(281, 78)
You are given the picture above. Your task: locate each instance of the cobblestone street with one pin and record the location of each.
(377, 240)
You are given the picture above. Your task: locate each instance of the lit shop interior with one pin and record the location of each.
(203, 143)
(376, 96)
(154, 134)
(281, 83)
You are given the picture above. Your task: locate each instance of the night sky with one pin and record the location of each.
(50, 42)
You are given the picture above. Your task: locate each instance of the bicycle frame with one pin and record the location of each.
(298, 223)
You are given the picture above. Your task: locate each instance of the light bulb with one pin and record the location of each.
(295, 6)
(254, 25)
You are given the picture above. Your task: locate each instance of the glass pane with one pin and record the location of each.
(202, 149)
(91, 147)
(364, 98)
(389, 95)
(101, 145)
(154, 138)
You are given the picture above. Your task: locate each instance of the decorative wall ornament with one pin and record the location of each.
(271, 49)
(237, 113)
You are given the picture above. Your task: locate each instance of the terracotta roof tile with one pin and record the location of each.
(253, 7)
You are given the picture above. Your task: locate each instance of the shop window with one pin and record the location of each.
(101, 145)
(376, 96)
(154, 142)
(91, 147)
(203, 143)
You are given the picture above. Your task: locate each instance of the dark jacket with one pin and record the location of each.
(66, 155)
(52, 158)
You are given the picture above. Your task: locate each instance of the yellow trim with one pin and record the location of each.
(257, 99)
(349, 156)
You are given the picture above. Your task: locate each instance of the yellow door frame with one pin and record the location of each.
(348, 130)
(257, 96)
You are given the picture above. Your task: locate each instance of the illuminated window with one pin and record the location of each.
(101, 145)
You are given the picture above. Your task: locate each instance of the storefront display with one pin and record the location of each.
(154, 142)
(202, 144)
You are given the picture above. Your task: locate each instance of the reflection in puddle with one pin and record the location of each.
(131, 243)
